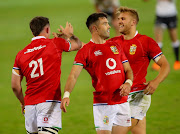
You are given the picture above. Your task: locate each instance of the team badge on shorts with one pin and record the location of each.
(114, 50)
(106, 120)
(132, 49)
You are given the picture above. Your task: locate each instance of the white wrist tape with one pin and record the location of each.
(66, 95)
(129, 81)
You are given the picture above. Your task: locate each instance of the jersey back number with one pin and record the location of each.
(37, 64)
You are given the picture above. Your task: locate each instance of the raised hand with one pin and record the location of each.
(68, 30)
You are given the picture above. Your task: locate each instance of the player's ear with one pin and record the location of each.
(95, 28)
(134, 22)
(47, 29)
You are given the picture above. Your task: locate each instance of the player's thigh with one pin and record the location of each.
(160, 25)
(49, 115)
(123, 115)
(120, 130)
(158, 31)
(103, 117)
(140, 128)
(122, 120)
(139, 104)
(103, 132)
(173, 34)
(31, 119)
(134, 122)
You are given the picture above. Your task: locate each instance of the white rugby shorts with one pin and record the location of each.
(139, 104)
(46, 114)
(105, 116)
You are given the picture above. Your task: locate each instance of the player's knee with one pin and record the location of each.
(175, 44)
(47, 130)
(160, 44)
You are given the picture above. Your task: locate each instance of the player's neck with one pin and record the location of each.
(130, 35)
(46, 35)
(98, 40)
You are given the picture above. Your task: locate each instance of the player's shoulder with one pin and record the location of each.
(144, 37)
(88, 45)
(112, 43)
(56, 39)
(20, 53)
(117, 38)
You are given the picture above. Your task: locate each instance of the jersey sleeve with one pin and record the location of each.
(62, 44)
(16, 65)
(81, 57)
(123, 56)
(153, 49)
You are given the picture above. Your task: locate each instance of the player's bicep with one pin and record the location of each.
(76, 70)
(158, 58)
(16, 79)
(128, 71)
(161, 60)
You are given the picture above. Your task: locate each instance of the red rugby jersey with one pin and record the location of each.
(104, 62)
(40, 63)
(139, 51)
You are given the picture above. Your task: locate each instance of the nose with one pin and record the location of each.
(119, 21)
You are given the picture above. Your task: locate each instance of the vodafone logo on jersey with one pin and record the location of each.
(111, 64)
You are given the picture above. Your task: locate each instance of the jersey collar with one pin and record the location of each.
(38, 37)
(93, 41)
(136, 33)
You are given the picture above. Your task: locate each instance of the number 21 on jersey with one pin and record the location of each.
(38, 63)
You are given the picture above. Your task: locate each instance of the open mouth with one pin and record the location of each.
(121, 26)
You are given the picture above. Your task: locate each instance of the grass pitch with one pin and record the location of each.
(163, 115)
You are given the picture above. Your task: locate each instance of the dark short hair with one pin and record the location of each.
(37, 24)
(94, 17)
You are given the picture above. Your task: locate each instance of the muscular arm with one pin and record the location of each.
(164, 69)
(67, 33)
(71, 81)
(16, 87)
(128, 71)
(163, 73)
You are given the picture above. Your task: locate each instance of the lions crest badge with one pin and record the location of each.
(114, 50)
(132, 49)
(106, 120)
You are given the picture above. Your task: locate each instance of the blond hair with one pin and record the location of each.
(133, 12)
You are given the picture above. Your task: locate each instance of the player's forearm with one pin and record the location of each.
(76, 44)
(129, 74)
(18, 93)
(164, 71)
(16, 87)
(71, 81)
(128, 71)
